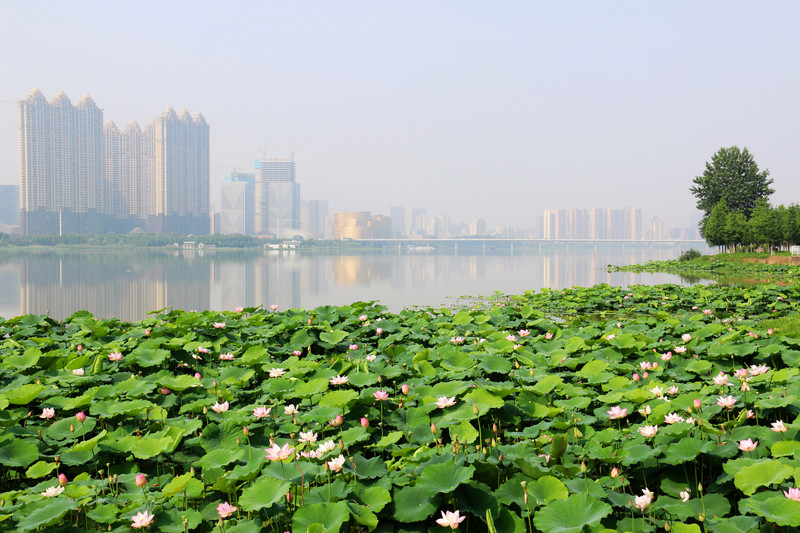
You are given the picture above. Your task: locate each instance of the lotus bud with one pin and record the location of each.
(165, 391)
(289, 497)
(141, 480)
(214, 383)
(245, 431)
(191, 470)
(197, 375)
(205, 411)
(341, 444)
(667, 526)
(583, 467)
(81, 416)
(530, 371)
(475, 408)
(364, 422)
(71, 428)
(516, 365)
(80, 347)
(405, 389)
(57, 459)
(635, 377)
(38, 381)
(646, 374)
(433, 428)
(494, 428)
(238, 440)
(699, 487)
(62, 480)
(494, 442)
(701, 517)
(400, 403)
(697, 403)
(500, 458)
(614, 472)
(380, 379)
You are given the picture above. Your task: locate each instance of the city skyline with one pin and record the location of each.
(496, 111)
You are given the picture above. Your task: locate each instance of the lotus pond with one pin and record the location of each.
(586, 409)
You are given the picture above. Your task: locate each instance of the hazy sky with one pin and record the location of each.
(493, 109)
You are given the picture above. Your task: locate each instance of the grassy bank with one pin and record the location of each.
(584, 409)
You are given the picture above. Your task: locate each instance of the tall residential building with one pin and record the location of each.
(9, 205)
(277, 200)
(238, 204)
(398, 216)
(592, 224)
(78, 175)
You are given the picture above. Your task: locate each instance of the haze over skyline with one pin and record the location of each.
(496, 111)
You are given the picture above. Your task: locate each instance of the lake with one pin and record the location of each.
(126, 284)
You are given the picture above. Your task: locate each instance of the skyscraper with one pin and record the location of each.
(78, 175)
(238, 205)
(277, 203)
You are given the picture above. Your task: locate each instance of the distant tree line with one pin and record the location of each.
(767, 228)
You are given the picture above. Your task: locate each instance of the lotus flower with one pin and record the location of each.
(793, 494)
(381, 395)
(307, 436)
(141, 480)
(275, 372)
(747, 445)
(336, 463)
(114, 356)
(779, 427)
(617, 412)
(220, 407)
(226, 356)
(219, 325)
(48, 413)
(685, 495)
(52, 492)
(142, 519)
(450, 520)
(278, 453)
(644, 500)
(290, 410)
(225, 510)
(338, 380)
(261, 412)
(444, 401)
(78, 372)
(648, 431)
(726, 401)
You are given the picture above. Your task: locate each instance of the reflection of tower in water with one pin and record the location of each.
(361, 270)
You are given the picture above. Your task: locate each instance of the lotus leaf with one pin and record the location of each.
(571, 515)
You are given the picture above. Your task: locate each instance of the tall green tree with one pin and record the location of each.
(715, 232)
(731, 175)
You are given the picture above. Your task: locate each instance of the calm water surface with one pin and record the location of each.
(128, 284)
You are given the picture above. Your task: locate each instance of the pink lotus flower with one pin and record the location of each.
(363, 318)
(307, 436)
(219, 325)
(220, 407)
(114, 356)
(644, 500)
(686, 337)
(635, 377)
(657, 391)
(261, 412)
(747, 445)
(337, 463)
(548, 336)
(273, 307)
(379, 331)
(81, 416)
(740, 373)
(147, 332)
(326, 447)
(290, 410)
(779, 427)
(648, 431)
(617, 412)
(444, 401)
(450, 520)
(364, 422)
(238, 309)
(141, 480)
(673, 390)
(673, 418)
(707, 311)
(685, 495)
(353, 346)
(405, 389)
(337, 421)
(646, 410)
(226, 356)
(297, 353)
(371, 357)
(142, 519)
(201, 349)
(381, 395)
(52, 492)
(680, 349)
(793, 494)
(225, 510)
(197, 375)
(612, 336)
(275, 372)
(457, 340)
(697, 403)
(78, 372)
(278, 453)
(758, 369)
(62, 480)
(666, 356)
(523, 333)
(721, 379)
(614, 472)
(511, 338)
(47, 413)
(726, 401)
(338, 380)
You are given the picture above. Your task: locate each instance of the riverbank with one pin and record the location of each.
(544, 411)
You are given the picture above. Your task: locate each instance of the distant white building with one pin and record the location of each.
(277, 197)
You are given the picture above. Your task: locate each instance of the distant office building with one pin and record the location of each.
(238, 204)
(9, 205)
(277, 197)
(398, 216)
(78, 175)
(313, 214)
(477, 227)
(361, 225)
(592, 224)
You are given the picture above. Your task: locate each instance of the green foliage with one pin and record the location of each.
(732, 175)
(688, 255)
(528, 441)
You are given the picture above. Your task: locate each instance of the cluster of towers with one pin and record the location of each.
(79, 175)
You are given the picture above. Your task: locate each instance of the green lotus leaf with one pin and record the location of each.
(25, 360)
(148, 447)
(638, 453)
(23, 394)
(464, 431)
(87, 445)
(680, 527)
(72, 404)
(388, 439)
(592, 368)
(177, 484)
(761, 473)
(245, 525)
(509, 522)
(363, 515)
(686, 449)
(484, 400)
(309, 388)
(44, 513)
(338, 398)
(374, 497)
(444, 477)
(254, 354)
(778, 509)
(177, 520)
(331, 516)
(17, 452)
(104, 513)
(545, 385)
(220, 457)
(332, 338)
(784, 448)
(147, 357)
(111, 408)
(354, 435)
(735, 524)
(412, 504)
(177, 383)
(571, 515)
(546, 489)
(40, 469)
(366, 468)
(495, 363)
(61, 430)
(360, 379)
